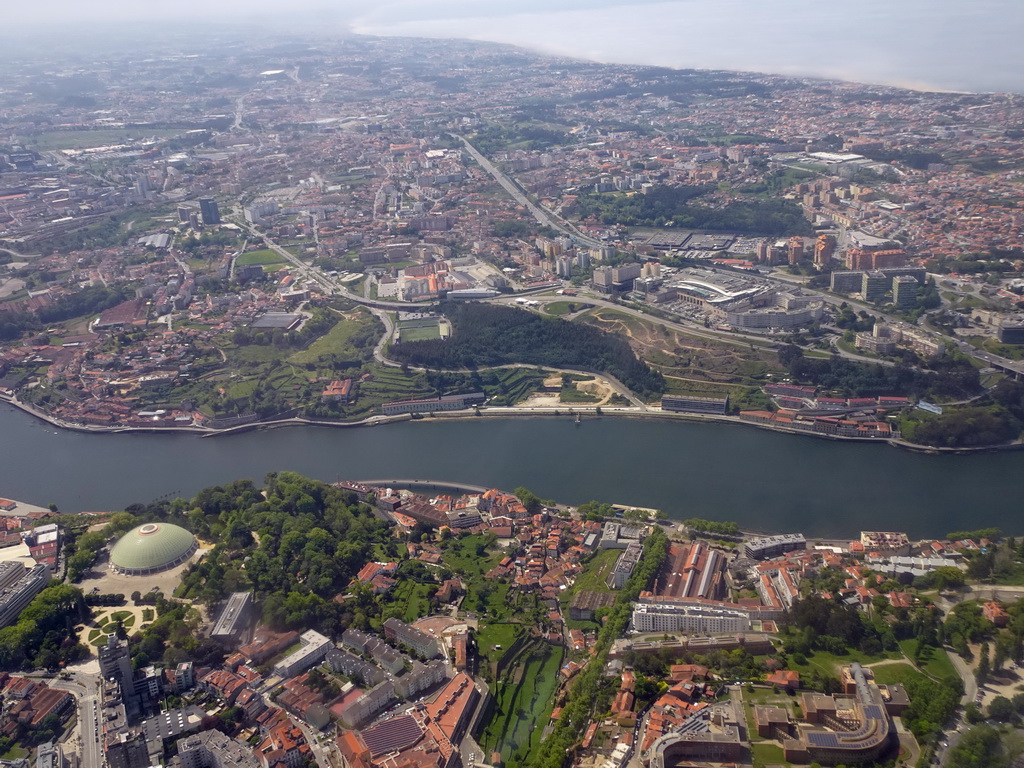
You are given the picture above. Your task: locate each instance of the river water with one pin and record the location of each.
(763, 480)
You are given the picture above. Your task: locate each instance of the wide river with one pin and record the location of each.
(763, 480)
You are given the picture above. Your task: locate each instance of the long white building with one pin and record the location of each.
(688, 616)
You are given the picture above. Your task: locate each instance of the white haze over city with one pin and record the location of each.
(935, 44)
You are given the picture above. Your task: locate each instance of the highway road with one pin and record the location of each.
(380, 307)
(542, 215)
(728, 337)
(1014, 367)
(329, 284)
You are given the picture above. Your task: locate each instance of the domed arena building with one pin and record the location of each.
(152, 548)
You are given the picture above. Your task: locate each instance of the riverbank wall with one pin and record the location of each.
(581, 411)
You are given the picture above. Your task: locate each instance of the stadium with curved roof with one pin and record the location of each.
(151, 548)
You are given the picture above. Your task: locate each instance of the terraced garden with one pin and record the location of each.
(523, 701)
(691, 365)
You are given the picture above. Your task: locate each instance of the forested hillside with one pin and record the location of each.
(488, 335)
(671, 207)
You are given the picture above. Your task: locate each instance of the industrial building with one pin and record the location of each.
(624, 566)
(773, 546)
(693, 404)
(692, 571)
(445, 403)
(235, 621)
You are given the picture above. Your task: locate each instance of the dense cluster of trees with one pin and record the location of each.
(219, 238)
(301, 542)
(579, 705)
(932, 703)
(90, 300)
(513, 228)
(44, 634)
(82, 551)
(951, 376)
(978, 534)
(102, 234)
(994, 264)
(912, 158)
(965, 624)
(679, 85)
(964, 428)
(671, 207)
(1006, 710)
(720, 527)
(977, 748)
(999, 418)
(526, 136)
(1009, 395)
(297, 543)
(488, 335)
(816, 623)
(529, 499)
(595, 511)
(1002, 562)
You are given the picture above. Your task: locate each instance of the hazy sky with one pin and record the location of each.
(948, 44)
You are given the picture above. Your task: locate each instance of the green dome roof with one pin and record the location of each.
(152, 547)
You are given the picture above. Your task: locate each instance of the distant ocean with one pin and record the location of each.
(956, 45)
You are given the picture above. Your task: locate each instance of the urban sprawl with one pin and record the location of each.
(272, 243)
(424, 668)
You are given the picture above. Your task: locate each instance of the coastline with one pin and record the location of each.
(505, 413)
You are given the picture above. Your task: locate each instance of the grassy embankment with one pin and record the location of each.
(523, 701)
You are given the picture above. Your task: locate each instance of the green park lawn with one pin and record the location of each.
(411, 598)
(559, 308)
(934, 661)
(895, 674)
(523, 703)
(764, 753)
(494, 634)
(830, 663)
(263, 256)
(336, 343)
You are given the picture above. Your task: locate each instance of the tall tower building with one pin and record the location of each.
(115, 663)
(796, 250)
(904, 291)
(211, 214)
(823, 250)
